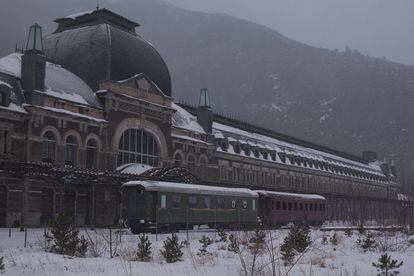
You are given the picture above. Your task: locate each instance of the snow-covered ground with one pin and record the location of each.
(346, 258)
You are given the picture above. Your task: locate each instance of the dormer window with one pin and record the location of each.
(265, 155)
(256, 153)
(223, 145)
(237, 149)
(2, 99)
(273, 156)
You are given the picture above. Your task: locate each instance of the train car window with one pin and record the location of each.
(295, 206)
(320, 207)
(163, 201)
(310, 207)
(301, 206)
(253, 204)
(277, 205)
(284, 205)
(192, 201)
(244, 204)
(306, 206)
(316, 207)
(273, 205)
(176, 201)
(207, 202)
(220, 203)
(290, 206)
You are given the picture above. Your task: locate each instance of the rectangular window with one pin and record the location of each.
(192, 201)
(277, 205)
(290, 206)
(316, 207)
(295, 206)
(310, 207)
(306, 206)
(273, 205)
(301, 206)
(284, 205)
(207, 202)
(176, 201)
(220, 203)
(163, 202)
(253, 204)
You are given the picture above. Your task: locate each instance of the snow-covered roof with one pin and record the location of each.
(76, 15)
(133, 168)
(252, 138)
(171, 187)
(67, 112)
(59, 82)
(290, 195)
(184, 120)
(189, 138)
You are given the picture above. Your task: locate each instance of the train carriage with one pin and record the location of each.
(279, 208)
(147, 205)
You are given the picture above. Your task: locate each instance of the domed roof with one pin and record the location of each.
(101, 45)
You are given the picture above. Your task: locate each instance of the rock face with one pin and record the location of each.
(344, 100)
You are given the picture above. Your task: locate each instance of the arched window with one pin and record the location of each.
(48, 147)
(91, 154)
(138, 146)
(71, 149)
(178, 160)
(191, 163)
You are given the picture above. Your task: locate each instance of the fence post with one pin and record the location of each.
(186, 219)
(110, 242)
(25, 237)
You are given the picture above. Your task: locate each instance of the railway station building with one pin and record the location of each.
(91, 106)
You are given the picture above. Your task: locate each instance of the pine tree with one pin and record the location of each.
(299, 237)
(144, 248)
(233, 245)
(205, 242)
(65, 237)
(2, 267)
(348, 232)
(287, 251)
(222, 235)
(386, 264)
(367, 243)
(172, 249)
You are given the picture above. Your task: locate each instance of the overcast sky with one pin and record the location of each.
(374, 27)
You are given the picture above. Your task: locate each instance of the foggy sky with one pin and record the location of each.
(379, 28)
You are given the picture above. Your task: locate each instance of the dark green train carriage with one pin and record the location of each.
(167, 206)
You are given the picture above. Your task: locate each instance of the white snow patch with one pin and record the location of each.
(134, 168)
(184, 120)
(76, 15)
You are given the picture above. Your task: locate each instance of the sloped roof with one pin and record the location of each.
(59, 82)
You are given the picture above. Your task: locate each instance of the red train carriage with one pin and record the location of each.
(277, 208)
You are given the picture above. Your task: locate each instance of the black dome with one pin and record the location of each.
(101, 45)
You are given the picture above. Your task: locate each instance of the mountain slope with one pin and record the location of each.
(341, 99)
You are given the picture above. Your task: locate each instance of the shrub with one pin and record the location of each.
(233, 244)
(348, 232)
(144, 249)
(324, 240)
(368, 243)
(222, 235)
(205, 242)
(386, 264)
(257, 241)
(334, 239)
(172, 249)
(411, 241)
(65, 238)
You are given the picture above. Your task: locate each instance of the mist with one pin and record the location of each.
(379, 28)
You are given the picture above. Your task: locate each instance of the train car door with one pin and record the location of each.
(3, 206)
(151, 205)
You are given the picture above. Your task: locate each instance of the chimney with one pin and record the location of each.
(369, 156)
(33, 68)
(393, 168)
(204, 112)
